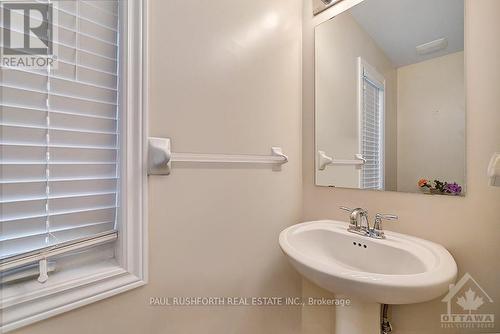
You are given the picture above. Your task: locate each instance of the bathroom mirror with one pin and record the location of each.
(390, 97)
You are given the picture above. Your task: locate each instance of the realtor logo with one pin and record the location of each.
(35, 20)
(464, 303)
(27, 34)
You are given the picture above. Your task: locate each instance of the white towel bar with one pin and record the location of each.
(324, 160)
(161, 157)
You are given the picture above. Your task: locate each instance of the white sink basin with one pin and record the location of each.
(397, 270)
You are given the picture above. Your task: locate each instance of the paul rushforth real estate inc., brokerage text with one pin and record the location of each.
(247, 301)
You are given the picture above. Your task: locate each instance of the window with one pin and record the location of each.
(72, 218)
(372, 88)
(59, 139)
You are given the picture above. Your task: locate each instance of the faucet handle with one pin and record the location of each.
(382, 216)
(346, 209)
(377, 226)
(353, 219)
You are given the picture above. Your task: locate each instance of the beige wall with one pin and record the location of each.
(468, 227)
(431, 121)
(338, 45)
(225, 77)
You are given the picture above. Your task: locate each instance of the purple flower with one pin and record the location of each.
(453, 188)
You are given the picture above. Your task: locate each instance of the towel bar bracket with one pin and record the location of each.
(159, 156)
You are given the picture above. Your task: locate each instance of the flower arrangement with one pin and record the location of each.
(439, 187)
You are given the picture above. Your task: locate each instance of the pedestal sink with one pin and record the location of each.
(397, 270)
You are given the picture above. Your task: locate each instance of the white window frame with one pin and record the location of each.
(365, 69)
(29, 302)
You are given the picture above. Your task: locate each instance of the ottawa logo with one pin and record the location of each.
(464, 301)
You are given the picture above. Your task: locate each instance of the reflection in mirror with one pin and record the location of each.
(321, 5)
(390, 97)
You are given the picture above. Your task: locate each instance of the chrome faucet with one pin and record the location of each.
(359, 222)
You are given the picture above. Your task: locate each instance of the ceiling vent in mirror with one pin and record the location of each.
(321, 5)
(431, 47)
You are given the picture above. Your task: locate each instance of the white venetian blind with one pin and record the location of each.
(59, 135)
(372, 174)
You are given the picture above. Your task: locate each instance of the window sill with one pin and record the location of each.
(25, 303)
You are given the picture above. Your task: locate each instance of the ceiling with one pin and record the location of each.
(398, 26)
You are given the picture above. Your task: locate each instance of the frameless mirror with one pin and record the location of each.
(390, 97)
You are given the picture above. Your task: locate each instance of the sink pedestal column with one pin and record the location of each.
(360, 317)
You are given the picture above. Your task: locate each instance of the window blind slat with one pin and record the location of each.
(84, 217)
(22, 154)
(83, 90)
(37, 241)
(13, 211)
(32, 80)
(97, 46)
(38, 99)
(16, 154)
(26, 227)
(12, 191)
(95, 61)
(32, 198)
(15, 135)
(40, 180)
(38, 231)
(82, 106)
(54, 213)
(37, 207)
(37, 80)
(33, 191)
(64, 70)
(77, 138)
(89, 12)
(5, 106)
(81, 155)
(22, 116)
(105, 79)
(86, 170)
(23, 98)
(53, 129)
(110, 7)
(68, 7)
(59, 146)
(101, 32)
(98, 184)
(83, 123)
(71, 8)
(68, 47)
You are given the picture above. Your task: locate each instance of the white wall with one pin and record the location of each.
(467, 226)
(338, 45)
(431, 121)
(225, 77)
